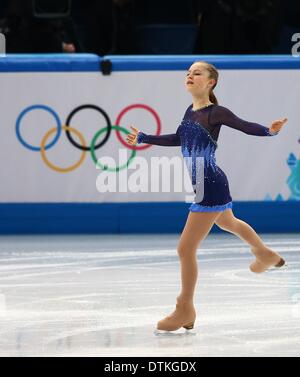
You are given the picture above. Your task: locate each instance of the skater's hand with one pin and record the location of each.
(132, 137)
(277, 125)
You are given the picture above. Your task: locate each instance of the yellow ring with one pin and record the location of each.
(54, 167)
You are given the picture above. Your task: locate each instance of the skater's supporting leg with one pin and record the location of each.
(196, 229)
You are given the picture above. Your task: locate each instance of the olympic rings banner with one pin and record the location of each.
(83, 144)
(62, 128)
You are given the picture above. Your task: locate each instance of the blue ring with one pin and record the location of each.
(18, 124)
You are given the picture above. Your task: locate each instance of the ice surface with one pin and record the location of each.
(103, 295)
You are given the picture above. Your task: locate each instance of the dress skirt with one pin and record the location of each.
(216, 196)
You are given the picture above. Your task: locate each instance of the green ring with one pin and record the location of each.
(94, 157)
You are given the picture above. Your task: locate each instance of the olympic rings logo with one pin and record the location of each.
(83, 145)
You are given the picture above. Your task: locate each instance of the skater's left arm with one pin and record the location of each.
(222, 115)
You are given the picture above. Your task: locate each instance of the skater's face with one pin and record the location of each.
(197, 80)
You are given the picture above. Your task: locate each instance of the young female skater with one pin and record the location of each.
(197, 135)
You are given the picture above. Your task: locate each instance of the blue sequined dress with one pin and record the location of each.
(197, 135)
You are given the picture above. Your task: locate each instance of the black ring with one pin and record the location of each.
(68, 121)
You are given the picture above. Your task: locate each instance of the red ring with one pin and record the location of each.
(135, 147)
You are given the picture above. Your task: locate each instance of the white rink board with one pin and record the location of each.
(255, 166)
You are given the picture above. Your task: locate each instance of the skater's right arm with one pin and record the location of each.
(137, 137)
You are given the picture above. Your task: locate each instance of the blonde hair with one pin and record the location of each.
(213, 74)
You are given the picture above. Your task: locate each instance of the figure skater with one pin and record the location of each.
(197, 135)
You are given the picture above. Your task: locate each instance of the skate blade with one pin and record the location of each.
(284, 267)
(179, 332)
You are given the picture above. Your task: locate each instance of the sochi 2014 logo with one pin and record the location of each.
(54, 134)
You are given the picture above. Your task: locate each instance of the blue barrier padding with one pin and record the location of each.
(124, 218)
(181, 62)
(91, 62)
(50, 63)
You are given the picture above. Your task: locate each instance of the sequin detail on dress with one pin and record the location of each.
(197, 135)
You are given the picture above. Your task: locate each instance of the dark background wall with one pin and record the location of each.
(153, 26)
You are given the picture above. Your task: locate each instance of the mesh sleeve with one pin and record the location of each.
(170, 140)
(222, 115)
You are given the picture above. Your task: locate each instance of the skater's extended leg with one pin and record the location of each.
(265, 257)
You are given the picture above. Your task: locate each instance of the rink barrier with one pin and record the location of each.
(142, 217)
(94, 63)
